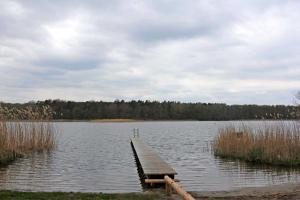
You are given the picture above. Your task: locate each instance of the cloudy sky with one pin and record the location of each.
(236, 52)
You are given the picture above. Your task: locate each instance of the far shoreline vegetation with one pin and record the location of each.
(123, 111)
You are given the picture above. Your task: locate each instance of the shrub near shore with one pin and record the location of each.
(19, 138)
(271, 144)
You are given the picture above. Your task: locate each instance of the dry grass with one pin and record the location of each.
(29, 112)
(18, 138)
(271, 144)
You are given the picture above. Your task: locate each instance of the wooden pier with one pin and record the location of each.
(151, 165)
(153, 170)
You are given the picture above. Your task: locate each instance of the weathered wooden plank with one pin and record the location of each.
(151, 162)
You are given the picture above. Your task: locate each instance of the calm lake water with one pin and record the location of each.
(97, 157)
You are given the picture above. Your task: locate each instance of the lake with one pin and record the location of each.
(97, 157)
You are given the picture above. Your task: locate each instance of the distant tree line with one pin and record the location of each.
(145, 110)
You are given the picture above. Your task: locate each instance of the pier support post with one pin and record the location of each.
(171, 184)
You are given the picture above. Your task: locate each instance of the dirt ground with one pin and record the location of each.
(277, 192)
(285, 191)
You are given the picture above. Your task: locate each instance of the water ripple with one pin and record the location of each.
(97, 157)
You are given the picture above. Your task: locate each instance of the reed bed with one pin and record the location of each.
(19, 138)
(270, 144)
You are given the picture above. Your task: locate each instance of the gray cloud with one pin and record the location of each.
(229, 51)
(69, 64)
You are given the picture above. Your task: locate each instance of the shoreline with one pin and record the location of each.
(145, 120)
(26, 195)
(282, 191)
(272, 192)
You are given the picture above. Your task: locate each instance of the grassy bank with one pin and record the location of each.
(12, 195)
(18, 138)
(271, 144)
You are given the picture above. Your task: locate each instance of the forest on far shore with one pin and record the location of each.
(143, 110)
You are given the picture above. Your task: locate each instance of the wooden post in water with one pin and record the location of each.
(171, 184)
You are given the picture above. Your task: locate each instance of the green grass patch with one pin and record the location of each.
(14, 195)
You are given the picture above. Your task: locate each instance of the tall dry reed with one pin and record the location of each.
(18, 138)
(272, 144)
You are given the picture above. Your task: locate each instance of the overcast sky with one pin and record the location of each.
(236, 52)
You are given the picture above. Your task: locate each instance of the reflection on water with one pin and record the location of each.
(256, 175)
(97, 157)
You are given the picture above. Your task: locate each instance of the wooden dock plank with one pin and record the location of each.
(151, 162)
(154, 169)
